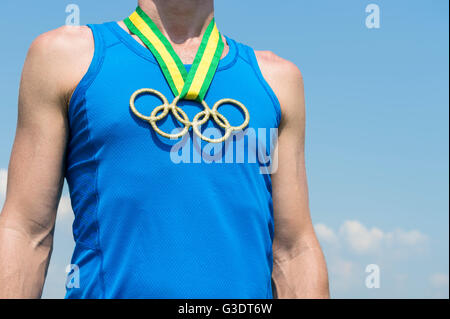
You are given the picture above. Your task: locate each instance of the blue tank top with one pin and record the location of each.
(156, 218)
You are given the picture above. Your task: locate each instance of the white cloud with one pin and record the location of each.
(439, 280)
(65, 207)
(344, 268)
(342, 274)
(362, 240)
(351, 246)
(3, 180)
(439, 286)
(325, 234)
(407, 238)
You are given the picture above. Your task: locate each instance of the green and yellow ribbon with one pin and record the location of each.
(191, 85)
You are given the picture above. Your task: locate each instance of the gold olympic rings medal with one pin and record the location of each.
(161, 112)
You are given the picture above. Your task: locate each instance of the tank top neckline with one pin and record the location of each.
(142, 51)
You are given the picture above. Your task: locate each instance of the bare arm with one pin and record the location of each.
(36, 171)
(299, 269)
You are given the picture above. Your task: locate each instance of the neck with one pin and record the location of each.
(180, 20)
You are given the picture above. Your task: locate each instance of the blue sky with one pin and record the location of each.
(377, 127)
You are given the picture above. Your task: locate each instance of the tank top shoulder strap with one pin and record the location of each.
(103, 39)
(248, 54)
(104, 30)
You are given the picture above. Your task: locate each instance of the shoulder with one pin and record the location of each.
(277, 68)
(286, 80)
(60, 57)
(62, 43)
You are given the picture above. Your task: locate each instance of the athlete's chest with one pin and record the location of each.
(112, 119)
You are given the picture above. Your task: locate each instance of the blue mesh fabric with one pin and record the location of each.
(145, 226)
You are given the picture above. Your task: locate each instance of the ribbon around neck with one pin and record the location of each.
(191, 85)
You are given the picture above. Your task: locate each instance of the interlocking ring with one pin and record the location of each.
(160, 112)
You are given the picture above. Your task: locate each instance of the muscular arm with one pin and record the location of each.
(299, 269)
(35, 176)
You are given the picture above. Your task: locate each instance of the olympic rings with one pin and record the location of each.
(160, 112)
